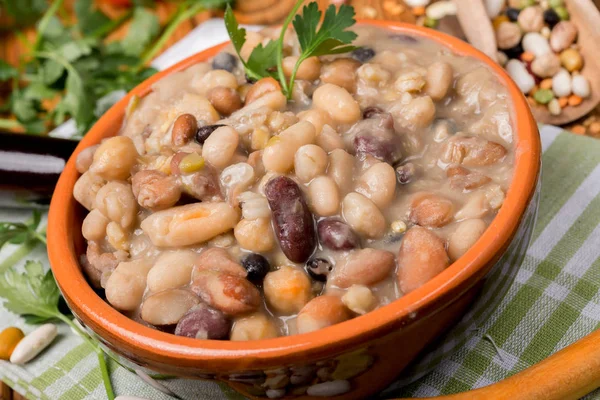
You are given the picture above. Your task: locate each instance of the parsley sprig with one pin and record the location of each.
(331, 37)
(26, 234)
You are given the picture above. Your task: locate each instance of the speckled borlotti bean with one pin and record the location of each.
(33, 344)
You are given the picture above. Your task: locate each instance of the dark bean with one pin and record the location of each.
(205, 131)
(204, 322)
(292, 219)
(514, 52)
(371, 112)
(225, 61)
(512, 13)
(404, 38)
(318, 269)
(405, 173)
(363, 54)
(257, 267)
(249, 80)
(337, 235)
(551, 18)
(382, 149)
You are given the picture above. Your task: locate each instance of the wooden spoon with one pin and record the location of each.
(568, 374)
(586, 17)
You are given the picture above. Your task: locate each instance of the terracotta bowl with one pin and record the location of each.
(368, 352)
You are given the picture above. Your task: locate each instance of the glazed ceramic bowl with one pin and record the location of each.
(366, 353)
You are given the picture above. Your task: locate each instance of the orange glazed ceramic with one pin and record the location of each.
(361, 356)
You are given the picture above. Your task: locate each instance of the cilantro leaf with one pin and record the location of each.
(32, 293)
(143, 30)
(7, 71)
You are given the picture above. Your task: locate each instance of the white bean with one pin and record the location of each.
(363, 216)
(493, 7)
(464, 237)
(171, 270)
(562, 83)
(330, 388)
(114, 158)
(517, 71)
(340, 104)
(535, 43)
(279, 156)
(324, 196)
(378, 183)
(212, 79)
(317, 117)
(126, 285)
(341, 169)
(310, 161)
(439, 79)
(86, 188)
(329, 139)
(220, 146)
(581, 86)
(33, 344)
(94, 226)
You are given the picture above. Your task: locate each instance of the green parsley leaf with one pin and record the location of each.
(24, 11)
(32, 293)
(89, 19)
(263, 60)
(143, 30)
(51, 71)
(20, 232)
(7, 71)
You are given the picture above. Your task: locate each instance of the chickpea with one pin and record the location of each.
(309, 69)
(324, 196)
(114, 158)
(287, 290)
(85, 158)
(168, 307)
(224, 99)
(213, 79)
(155, 190)
(171, 270)
(464, 237)
(321, 312)
(341, 169)
(316, 117)
(378, 183)
(340, 104)
(359, 299)
(184, 129)
(115, 200)
(310, 161)
(341, 72)
(220, 146)
(117, 237)
(253, 327)
(439, 79)
(279, 155)
(94, 226)
(329, 140)
(261, 88)
(86, 188)
(255, 235)
(126, 285)
(363, 216)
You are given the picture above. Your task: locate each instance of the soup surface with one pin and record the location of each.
(224, 211)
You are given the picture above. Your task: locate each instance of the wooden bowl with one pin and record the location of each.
(370, 351)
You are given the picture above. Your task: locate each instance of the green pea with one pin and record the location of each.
(430, 22)
(555, 3)
(562, 13)
(543, 96)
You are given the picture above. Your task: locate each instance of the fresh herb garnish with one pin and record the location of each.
(25, 234)
(331, 37)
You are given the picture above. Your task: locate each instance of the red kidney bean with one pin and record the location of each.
(204, 322)
(337, 235)
(292, 219)
(382, 149)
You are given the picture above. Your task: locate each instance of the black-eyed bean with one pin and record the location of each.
(378, 183)
(171, 270)
(261, 88)
(317, 117)
(155, 190)
(279, 154)
(219, 260)
(126, 285)
(363, 267)
(463, 179)
(220, 146)
(226, 61)
(292, 220)
(224, 99)
(318, 268)
(85, 158)
(337, 235)
(321, 312)
(363, 216)
(341, 169)
(205, 131)
(341, 72)
(431, 210)
(340, 104)
(359, 299)
(116, 201)
(230, 294)
(363, 54)
(253, 327)
(308, 70)
(422, 256)
(472, 151)
(167, 307)
(189, 224)
(439, 79)
(94, 226)
(184, 129)
(310, 161)
(329, 140)
(405, 173)
(203, 322)
(114, 158)
(86, 188)
(324, 196)
(464, 237)
(257, 267)
(255, 235)
(287, 290)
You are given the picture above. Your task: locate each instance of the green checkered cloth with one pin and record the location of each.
(552, 301)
